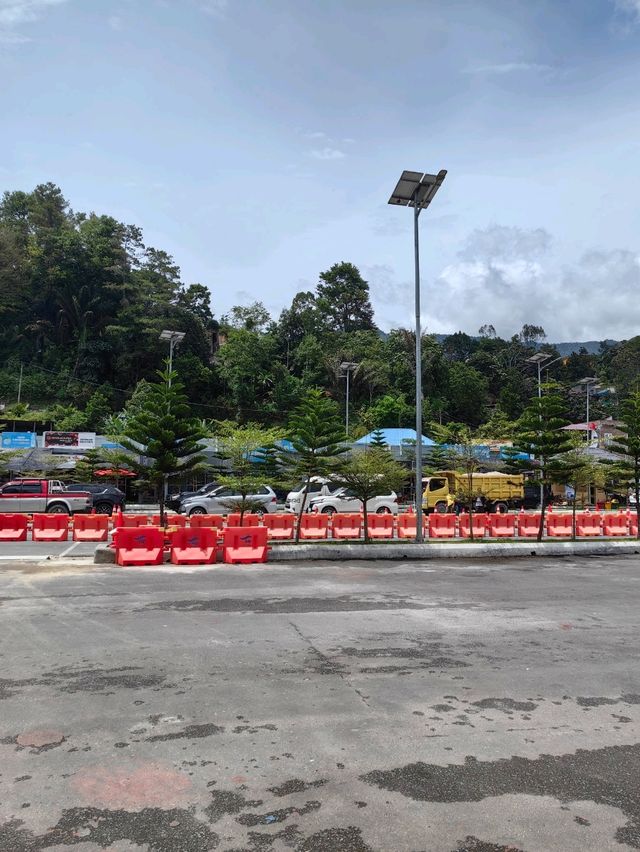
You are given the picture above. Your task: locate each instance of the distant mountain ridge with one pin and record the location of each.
(592, 346)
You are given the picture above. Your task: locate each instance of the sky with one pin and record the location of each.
(258, 143)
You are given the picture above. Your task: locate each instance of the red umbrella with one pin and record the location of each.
(108, 471)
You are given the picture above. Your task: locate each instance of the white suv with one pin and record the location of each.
(343, 500)
(318, 487)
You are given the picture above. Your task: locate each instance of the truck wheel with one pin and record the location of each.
(57, 509)
(328, 510)
(502, 508)
(441, 507)
(383, 510)
(104, 508)
(197, 511)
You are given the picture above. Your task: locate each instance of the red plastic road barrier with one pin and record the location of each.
(479, 525)
(633, 524)
(559, 526)
(50, 528)
(346, 525)
(251, 519)
(279, 526)
(170, 520)
(502, 526)
(13, 527)
(194, 546)
(91, 527)
(139, 546)
(407, 525)
(615, 523)
(380, 526)
(206, 521)
(245, 544)
(528, 525)
(588, 524)
(233, 520)
(134, 521)
(442, 526)
(314, 526)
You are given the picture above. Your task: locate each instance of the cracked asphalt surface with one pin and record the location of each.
(457, 706)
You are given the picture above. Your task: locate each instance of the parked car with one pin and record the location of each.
(106, 498)
(318, 487)
(220, 501)
(42, 495)
(344, 500)
(174, 500)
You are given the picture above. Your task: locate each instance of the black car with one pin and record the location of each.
(106, 498)
(174, 500)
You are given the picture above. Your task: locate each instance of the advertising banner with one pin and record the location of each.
(17, 440)
(70, 441)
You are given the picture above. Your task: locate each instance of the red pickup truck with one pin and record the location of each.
(42, 495)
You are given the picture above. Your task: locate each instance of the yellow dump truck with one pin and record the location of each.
(446, 491)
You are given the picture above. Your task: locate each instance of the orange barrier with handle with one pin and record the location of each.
(194, 546)
(346, 525)
(615, 523)
(380, 526)
(442, 526)
(251, 519)
(314, 526)
(528, 525)
(502, 526)
(139, 546)
(170, 520)
(479, 525)
(279, 527)
(243, 545)
(206, 521)
(13, 527)
(90, 527)
(559, 526)
(132, 520)
(50, 528)
(633, 524)
(233, 519)
(407, 525)
(588, 524)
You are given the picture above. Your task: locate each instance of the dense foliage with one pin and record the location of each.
(83, 300)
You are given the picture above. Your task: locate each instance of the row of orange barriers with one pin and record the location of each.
(146, 545)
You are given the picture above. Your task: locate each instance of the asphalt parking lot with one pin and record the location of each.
(442, 706)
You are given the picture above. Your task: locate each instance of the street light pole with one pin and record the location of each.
(174, 338)
(417, 190)
(539, 359)
(345, 369)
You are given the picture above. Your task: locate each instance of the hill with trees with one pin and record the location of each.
(83, 300)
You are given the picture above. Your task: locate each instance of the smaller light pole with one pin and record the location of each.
(174, 338)
(539, 359)
(589, 383)
(345, 371)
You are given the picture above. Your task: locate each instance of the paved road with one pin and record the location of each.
(448, 707)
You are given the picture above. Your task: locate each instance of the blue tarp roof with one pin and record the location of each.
(396, 437)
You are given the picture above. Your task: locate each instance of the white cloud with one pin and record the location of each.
(316, 134)
(510, 68)
(14, 13)
(115, 22)
(217, 8)
(630, 7)
(508, 277)
(327, 154)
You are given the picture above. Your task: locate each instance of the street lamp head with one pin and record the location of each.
(174, 336)
(416, 189)
(348, 365)
(538, 358)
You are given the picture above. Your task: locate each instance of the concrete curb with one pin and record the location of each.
(344, 552)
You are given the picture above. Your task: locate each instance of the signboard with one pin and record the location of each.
(70, 441)
(17, 440)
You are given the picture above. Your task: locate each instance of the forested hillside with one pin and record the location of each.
(83, 300)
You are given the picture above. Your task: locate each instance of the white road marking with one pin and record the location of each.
(68, 550)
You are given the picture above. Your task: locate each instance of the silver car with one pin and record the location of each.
(220, 501)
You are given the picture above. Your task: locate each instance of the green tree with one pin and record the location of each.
(579, 472)
(369, 473)
(343, 299)
(378, 441)
(627, 446)
(163, 434)
(539, 434)
(499, 427)
(316, 433)
(248, 452)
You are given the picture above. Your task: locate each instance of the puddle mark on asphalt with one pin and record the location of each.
(472, 844)
(336, 840)
(191, 732)
(506, 705)
(600, 701)
(608, 776)
(280, 815)
(71, 680)
(345, 603)
(228, 802)
(295, 785)
(253, 729)
(152, 828)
